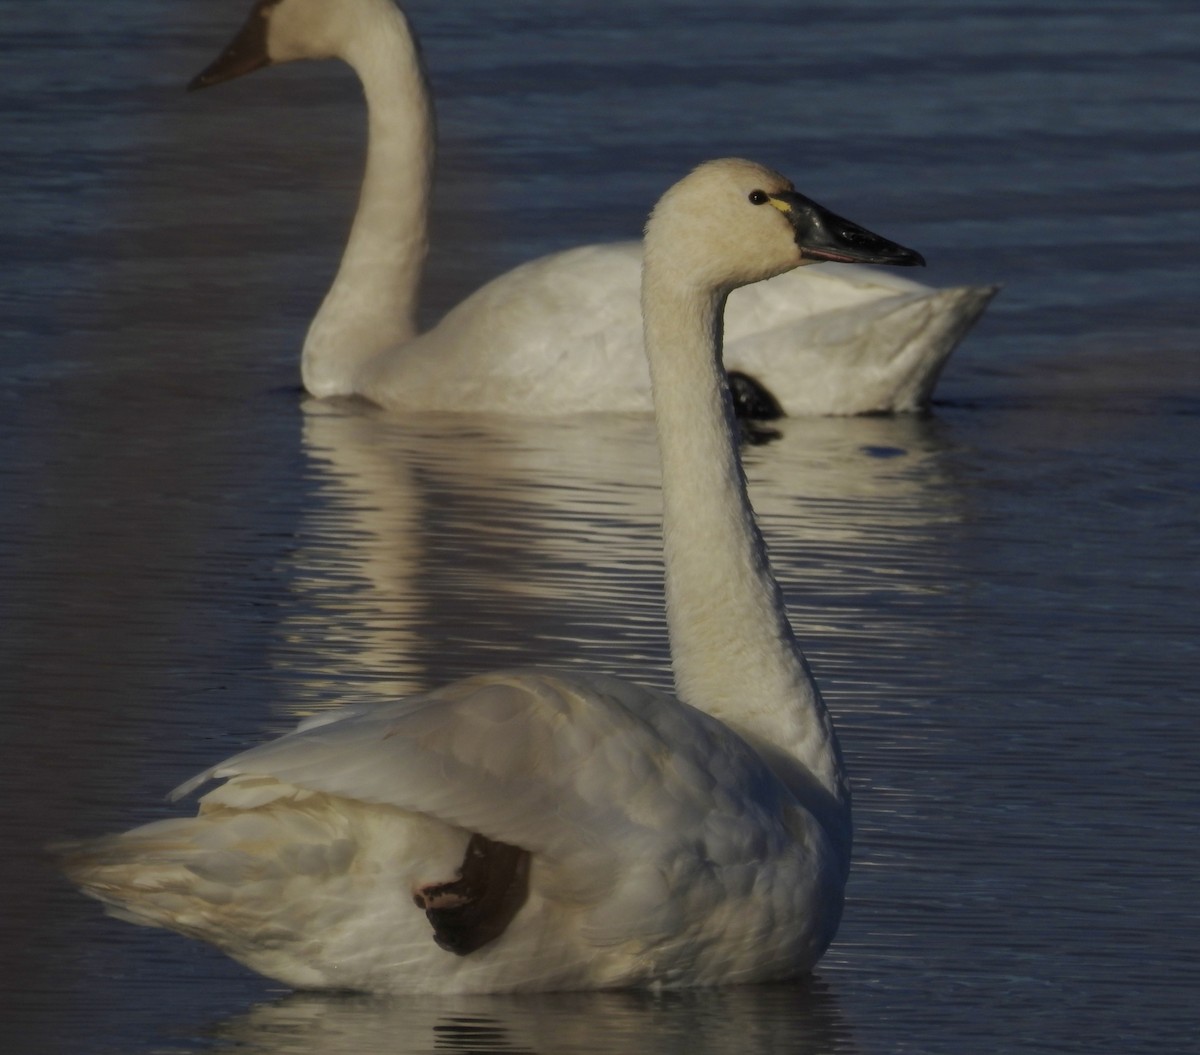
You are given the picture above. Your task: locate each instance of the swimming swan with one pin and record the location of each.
(540, 829)
(563, 333)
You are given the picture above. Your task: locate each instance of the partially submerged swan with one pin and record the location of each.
(563, 333)
(540, 829)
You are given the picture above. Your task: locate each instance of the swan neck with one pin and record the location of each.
(371, 306)
(732, 647)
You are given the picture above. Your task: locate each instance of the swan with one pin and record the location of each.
(542, 829)
(561, 334)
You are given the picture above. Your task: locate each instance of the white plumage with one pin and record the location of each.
(536, 829)
(561, 334)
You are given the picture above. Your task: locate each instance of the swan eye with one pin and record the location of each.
(758, 197)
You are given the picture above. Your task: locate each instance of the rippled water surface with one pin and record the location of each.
(999, 600)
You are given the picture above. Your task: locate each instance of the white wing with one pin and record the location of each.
(563, 764)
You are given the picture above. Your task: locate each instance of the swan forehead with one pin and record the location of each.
(743, 175)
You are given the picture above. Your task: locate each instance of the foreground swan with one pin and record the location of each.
(561, 334)
(534, 829)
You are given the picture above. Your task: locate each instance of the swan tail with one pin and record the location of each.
(167, 874)
(932, 334)
(880, 356)
(264, 883)
(225, 876)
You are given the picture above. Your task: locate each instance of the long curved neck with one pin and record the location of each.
(372, 305)
(732, 647)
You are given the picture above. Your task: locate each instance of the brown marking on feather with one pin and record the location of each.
(477, 907)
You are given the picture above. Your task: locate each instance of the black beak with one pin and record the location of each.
(823, 235)
(246, 53)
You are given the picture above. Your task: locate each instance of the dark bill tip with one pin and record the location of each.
(823, 235)
(246, 53)
(883, 251)
(226, 68)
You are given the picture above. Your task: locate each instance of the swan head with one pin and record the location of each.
(278, 31)
(731, 222)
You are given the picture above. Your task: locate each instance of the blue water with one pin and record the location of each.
(999, 600)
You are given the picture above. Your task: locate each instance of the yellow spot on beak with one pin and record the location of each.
(782, 206)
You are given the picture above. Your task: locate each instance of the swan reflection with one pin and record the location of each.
(437, 546)
(797, 1018)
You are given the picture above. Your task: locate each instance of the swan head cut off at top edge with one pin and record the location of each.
(563, 334)
(279, 31)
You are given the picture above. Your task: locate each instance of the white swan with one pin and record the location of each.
(561, 334)
(534, 829)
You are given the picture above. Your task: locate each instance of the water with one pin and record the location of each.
(999, 600)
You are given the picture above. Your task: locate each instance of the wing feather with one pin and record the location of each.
(562, 764)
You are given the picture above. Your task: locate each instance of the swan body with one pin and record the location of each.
(561, 334)
(540, 829)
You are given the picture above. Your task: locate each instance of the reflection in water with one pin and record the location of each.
(434, 547)
(437, 547)
(754, 1020)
